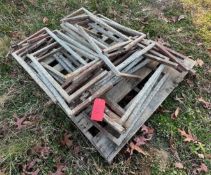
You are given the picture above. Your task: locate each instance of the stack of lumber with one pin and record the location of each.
(92, 56)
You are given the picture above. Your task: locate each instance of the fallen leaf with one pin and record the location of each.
(163, 42)
(208, 156)
(27, 168)
(181, 17)
(45, 20)
(31, 163)
(141, 140)
(200, 44)
(76, 150)
(19, 121)
(175, 19)
(199, 62)
(202, 168)
(206, 104)
(175, 114)
(66, 140)
(136, 148)
(2, 173)
(60, 168)
(179, 30)
(16, 35)
(179, 165)
(44, 151)
(201, 156)
(190, 82)
(209, 50)
(147, 130)
(35, 172)
(188, 137)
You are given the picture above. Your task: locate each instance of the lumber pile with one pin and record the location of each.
(92, 56)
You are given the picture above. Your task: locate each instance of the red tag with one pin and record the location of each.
(98, 109)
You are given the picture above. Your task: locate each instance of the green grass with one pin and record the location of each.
(24, 96)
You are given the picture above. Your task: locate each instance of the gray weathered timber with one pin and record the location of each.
(53, 90)
(98, 93)
(140, 98)
(103, 31)
(77, 44)
(120, 27)
(74, 54)
(134, 56)
(41, 31)
(116, 46)
(103, 24)
(134, 42)
(51, 69)
(48, 76)
(34, 76)
(99, 51)
(86, 86)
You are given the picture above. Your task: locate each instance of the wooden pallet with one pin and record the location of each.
(109, 146)
(93, 56)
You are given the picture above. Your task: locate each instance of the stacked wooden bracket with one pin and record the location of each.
(92, 56)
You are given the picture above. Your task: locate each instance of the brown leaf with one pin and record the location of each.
(208, 156)
(76, 150)
(66, 140)
(27, 168)
(147, 130)
(175, 114)
(60, 168)
(163, 42)
(141, 140)
(44, 151)
(136, 148)
(202, 168)
(190, 82)
(175, 19)
(19, 121)
(35, 172)
(206, 104)
(16, 35)
(31, 164)
(199, 62)
(2, 173)
(188, 137)
(45, 20)
(179, 165)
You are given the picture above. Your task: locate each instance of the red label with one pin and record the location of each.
(98, 109)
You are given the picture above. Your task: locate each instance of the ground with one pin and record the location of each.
(183, 25)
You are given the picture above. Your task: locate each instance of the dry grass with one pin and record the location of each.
(201, 15)
(20, 18)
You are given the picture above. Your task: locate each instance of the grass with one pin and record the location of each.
(20, 95)
(201, 17)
